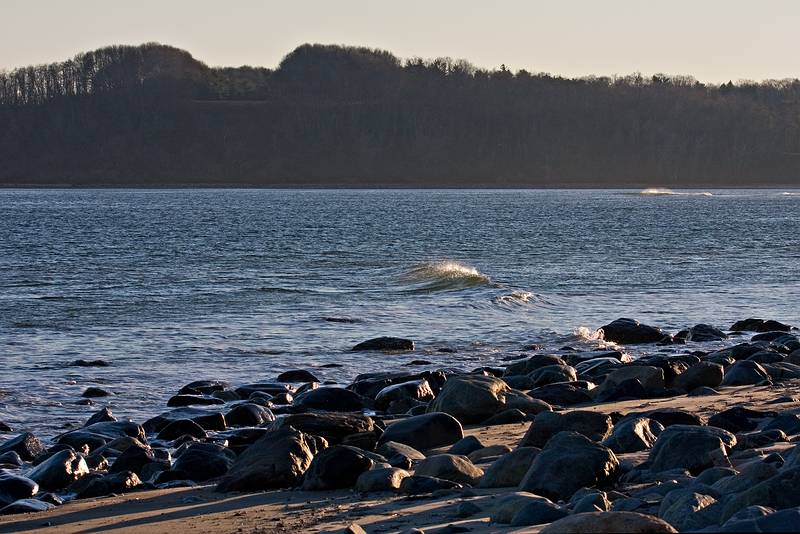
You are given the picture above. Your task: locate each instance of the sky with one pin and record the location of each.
(712, 40)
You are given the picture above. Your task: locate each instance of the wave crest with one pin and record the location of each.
(445, 275)
(663, 191)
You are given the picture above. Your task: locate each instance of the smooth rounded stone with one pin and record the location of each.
(108, 430)
(208, 419)
(507, 505)
(26, 506)
(517, 400)
(121, 482)
(421, 485)
(787, 422)
(678, 508)
(5, 428)
(14, 487)
(26, 445)
(602, 522)
(385, 343)
(399, 455)
(509, 469)
(766, 356)
(701, 333)
(418, 390)
(584, 356)
(59, 471)
(181, 427)
(507, 417)
(276, 460)
(570, 461)
(117, 446)
(745, 373)
(331, 399)
(192, 400)
(248, 414)
(537, 513)
(363, 440)
(537, 361)
(336, 467)
(424, 432)
(204, 387)
(595, 426)
(711, 475)
(449, 467)
(631, 332)
(103, 415)
(563, 394)
(297, 375)
(634, 435)
(760, 439)
(282, 399)
(10, 458)
(671, 416)
(492, 451)
(204, 461)
(748, 476)
(334, 427)
(760, 325)
(626, 390)
(770, 336)
(385, 479)
(691, 447)
(589, 500)
(703, 374)
(778, 492)
(597, 368)
(703, 392)
(552, 374)
(133, 459)
(762, 519)
(651, 378)
(471, 398)
(269, 388)
(466, 445)
(95, 392)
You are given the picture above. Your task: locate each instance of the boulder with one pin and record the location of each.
(14, 487)
(386, 344)
(10, 458)
(297, 375)
(594, 425)
(562, 394)
(680, 506)
(744, 373)
(277, 460)
(691, 447)
(331, 399)
(209, 420)
(651, 378)
(248, 414)
(778, 492)
(701, 333)
(418, 390)
(334, 427)
(569, 462)
(399, 455)
(181, 427)
(384, 479)
(177, 401)
(601, 522)
(509, 469)
(787, 422)
(749, 475)
(425, 431)
(703, 374)
(551, 374)
(537, 513)
(26, 445)
(102, 416)
(421, 485)
(671, 416)
(471, 398)
(537, 361)
(631, 332)
(449, 467)
(739, 419)
(633, 434)
(507, 417)
(267, 388)
(120, 482)
(336, 467)
(466, 445)
(204, 461)
(760, 325)
(59, 471)
(26, 506)
(762, 519)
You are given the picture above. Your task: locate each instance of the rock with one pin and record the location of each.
(509, 470)
(386, 479)
(762, 519)
(552, 374)
(492, 452)
(10, 458)
(120, 482)
(739, 419)
(334, 427)
(631, 332)
(600, 522)
(209, 420)
(419, 485)
(277, 460)
(248, 414)
(537, 513)
(471, 398)
(778, 492)
(94, 392)
(691, 447)
(14, 488)
(568, 462)
(787, 422)
(267, 388)
(26, 445)
(594, 425)
(701, 333)
(703, 374)
(537, 361)
(424, 432)
(633, 435)
(589, 500)
(204, 461)
(466, 445)
(418, 390)
(204, 387)
(517, 400)
(703, 392)
(386, 344)
(59, 471)
(507, 417)
(508, 505)
(679, 506)
(671, 416)
(193, 400)
(133, 459)
(331, 399)
(26, 506)
(760, 325)
(399, 455)
(89, 363)
(297, 375)
(449, 467)
(181, 427)
(597, 368)
(750, 475)
(743, 373)
(102, 416)
(766, 356)
(651, 379)
(563, 394)
(336, 467)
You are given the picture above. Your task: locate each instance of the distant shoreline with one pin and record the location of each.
(372, 187)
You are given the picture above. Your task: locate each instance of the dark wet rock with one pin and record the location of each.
(181, 427)
(334, 427)
(536, 513)
(5, 428)
(766, 356)
(701, 333)
(226, 395)
(781, 371)
(517, 400)
(569, 462)
(209, 420)
(671, 416)
(14, 487)
(595, 426)
(507, 505)
(204, 461)
(385, 343)
(737, 352)
(507, 417)
(713, 474)
(703, 374)
(769, 336)
(192, 400)
(619, 522)
(743, 373)
(760, 325)
(632, 332)
(26, 506)
(551, 374)
(680, 509)
(248, 414)
(425, 431)
(269, 388)
(94, 392)
(297, 375)
(466, 446)
(79, 440)
(533, 363)
(597, 368)
(418, 390)
(282, 399)
(370, 384)
(384, 479)
(651, 378)
(121, 482)
(691, 447)
(633, 435)
(10, 458)
(413, 363)
(331, 399)
(626, 390)
(204, 387)
(399, 455)
(578, 357)
(471, 398)
(104, 415)
(749, 475)
(739, 418)
(563, 394)
(59, 471)
(336, 467)
(451, 467)
(778, 492)
(89, 363)
(762, 519)
(509, 470)
(787, 422)
(277, 460)
(26, 445)
(420, 485)
(51, 498)
(589, 500)
(362, 440)
(108, 430)
(133, 459)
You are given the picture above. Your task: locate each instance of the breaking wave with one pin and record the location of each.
(444, 275)
(663, 191)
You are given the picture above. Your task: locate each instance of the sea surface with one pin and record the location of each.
(170, 286)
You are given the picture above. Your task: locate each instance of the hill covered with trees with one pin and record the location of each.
(152, 115)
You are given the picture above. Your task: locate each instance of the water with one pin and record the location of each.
(171, 286)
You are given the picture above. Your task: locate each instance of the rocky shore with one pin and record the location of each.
(556, 441)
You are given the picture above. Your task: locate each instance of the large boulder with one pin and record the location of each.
(779, 492)
(509, 470)
(451, 467)
(59, 471)
(570, 461)
(399, 455)
(691, 447)
(26, 506)
(180, 428)
(745, 373)
(383, 479)
(385, 343)
(26, 445)
(334, 427)
(594, 425)
(760, 325)
(561, 394)
(631, 332)
(133, 459)
(537, 513)
(331, 399)
(651, 378)
(679, 508)
(425, 431)
(417, 390)
(336, 467)
(551, 374)
(633, 434)
(471, 398)
(208, 419)
(703, 374)
(701, 333)
(537, 361)
(14, 487)
(204, 461)
(248, 414)
(601, 522)
(120, 482)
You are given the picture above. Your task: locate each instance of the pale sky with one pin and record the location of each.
(713, 40)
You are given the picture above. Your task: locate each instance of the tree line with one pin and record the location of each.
(351, 116)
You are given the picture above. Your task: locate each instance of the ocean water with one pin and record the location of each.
(171, 286)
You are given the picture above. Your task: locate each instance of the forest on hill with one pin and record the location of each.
(333, 116)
